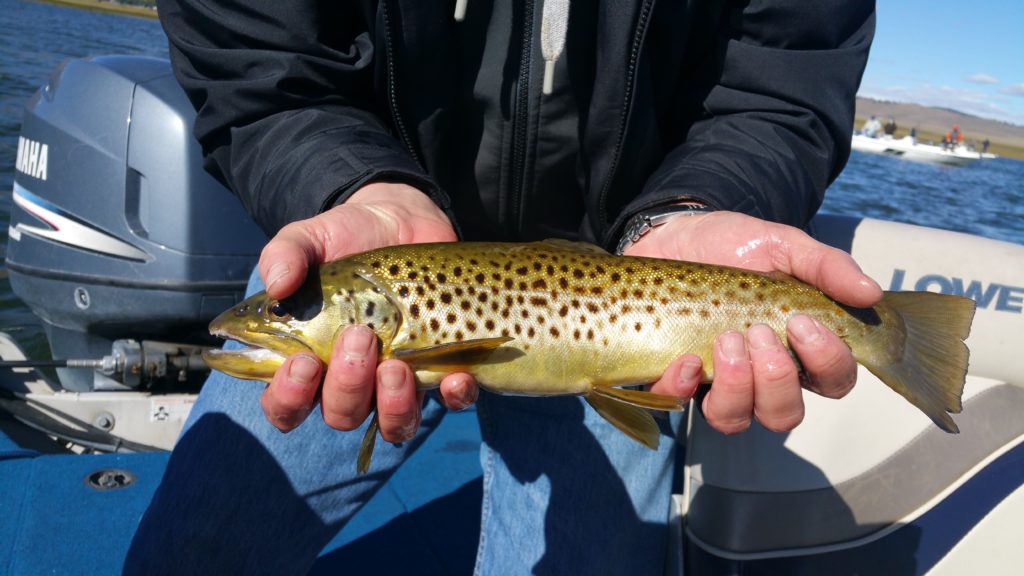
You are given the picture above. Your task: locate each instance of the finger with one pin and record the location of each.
(459, 391)
(349, 383)
(285, 260)
(778, 401)
(292, 393)
(681, 377)
(835, 272)
(730, 402)
(398, 408)
(827, 360)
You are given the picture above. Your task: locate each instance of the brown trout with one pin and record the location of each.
(565, 318)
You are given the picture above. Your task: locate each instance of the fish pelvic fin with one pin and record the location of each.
(366, 446)
(626, 410)
(931, 365)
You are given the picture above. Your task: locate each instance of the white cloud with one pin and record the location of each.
(1014, 90)
(982, 78)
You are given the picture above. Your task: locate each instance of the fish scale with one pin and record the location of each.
(565, 318)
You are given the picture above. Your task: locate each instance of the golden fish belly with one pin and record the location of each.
(578, 318)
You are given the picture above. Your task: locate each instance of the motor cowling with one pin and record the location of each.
(116, 230)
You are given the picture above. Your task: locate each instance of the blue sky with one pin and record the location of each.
(968, 56)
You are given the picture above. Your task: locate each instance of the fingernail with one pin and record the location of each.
(276, 272)
(760, 337)
(392, 379)
(805, 329)
(733, 347)
(357, 341)
(688, 371)
(303, 370)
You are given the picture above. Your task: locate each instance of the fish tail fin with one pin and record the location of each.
(625, 409)
(366, 446)
(929, 367)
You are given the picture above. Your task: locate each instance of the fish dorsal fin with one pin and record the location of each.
(452, 355)
(574, 246)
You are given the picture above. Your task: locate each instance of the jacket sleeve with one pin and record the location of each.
(286, 109)
(774, 114)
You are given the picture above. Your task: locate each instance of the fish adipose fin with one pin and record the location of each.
(931, 366)
(625, 409)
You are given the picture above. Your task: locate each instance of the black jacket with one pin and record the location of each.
(745, 105)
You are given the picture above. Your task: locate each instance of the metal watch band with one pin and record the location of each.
(647, 220)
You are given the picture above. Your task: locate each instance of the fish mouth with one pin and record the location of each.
(259, 358)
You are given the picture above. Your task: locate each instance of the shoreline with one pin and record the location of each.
(105, 7)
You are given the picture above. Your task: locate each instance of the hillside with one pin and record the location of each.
(932, 123)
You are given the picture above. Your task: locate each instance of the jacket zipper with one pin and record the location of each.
(627, 106)
(392, 87)
(520, 123)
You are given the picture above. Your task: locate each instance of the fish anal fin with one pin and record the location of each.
(455, 354)
(634, 422)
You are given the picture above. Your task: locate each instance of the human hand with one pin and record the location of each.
(379, 214)
(754, 373)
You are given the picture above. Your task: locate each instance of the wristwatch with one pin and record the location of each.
(647, 220)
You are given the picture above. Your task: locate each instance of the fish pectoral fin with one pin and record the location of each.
(366, 446)
(574, 246)
(455, 354)
(634, 422)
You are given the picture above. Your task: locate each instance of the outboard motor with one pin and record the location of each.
(119, 240)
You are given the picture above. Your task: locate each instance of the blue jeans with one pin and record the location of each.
(563, 491)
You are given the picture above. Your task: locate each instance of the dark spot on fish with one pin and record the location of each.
(554, 331)
(480, 278)
(577, 273)
(616, 277)
(431, 304)
(649, 309)
(451, 318)
(489, 325)
(369, 308)
(551, 270)
(590, 334)
(613, 318)
(441, 278)
(592, 308)
(704, 313)
(496, 277)
(658, 280)
(576, 334)
(482, 297)
(458, 335)
(414, 310)
(434, 324)
(563, 283)
(458, 291)
(457, 270)
(465, 305)
(563, 311)
(519, 329)
(413, 274)
(596, 290)
(509, 283)
(471, 326)
(539, 284)
(393, 269)
(537, 266)
(446, 297)
(716, 302)
(538, 301)
(530, 332)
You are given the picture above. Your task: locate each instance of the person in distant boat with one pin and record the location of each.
(956, 138)
(984, 146)
(872, 127)
(691, 131)
(913, 135)
(890, 126)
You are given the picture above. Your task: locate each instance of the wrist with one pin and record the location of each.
(648, 220)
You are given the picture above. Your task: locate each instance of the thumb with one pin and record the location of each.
(286, 259)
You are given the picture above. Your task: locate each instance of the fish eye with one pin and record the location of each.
(277, 311)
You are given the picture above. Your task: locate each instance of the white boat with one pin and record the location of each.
(911, 149)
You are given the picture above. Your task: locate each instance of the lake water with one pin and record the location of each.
(985, 198)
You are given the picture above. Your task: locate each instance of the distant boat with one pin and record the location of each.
(910, 149)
